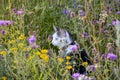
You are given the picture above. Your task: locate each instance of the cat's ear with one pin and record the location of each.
(56, 28)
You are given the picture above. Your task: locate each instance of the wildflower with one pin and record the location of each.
(5, 22)
(21, 37)
(3, 32)
(21, 44)
(67, 63)
(44, 51)
(112, 56)
(68, 67)
(26, 55)
(68, 57)
(79, 7)
(1, 57)
(93, 68)
(14, 10)
(19, 12)
(32, 40)
(13, 49)
(94, 50)
(66, 11)
(72, 14)
(81, 13)
(84, 63)
(12, 41)
(118, 12)
(75, 75)
(4, 78)
(37, 53)
(114, 22)
(44, 57)
(74, 3)
(74, 48)
(85, 35)
(60, 60)
(3, 52)
(103, 56)
(25, 49)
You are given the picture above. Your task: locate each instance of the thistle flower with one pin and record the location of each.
(112, 56)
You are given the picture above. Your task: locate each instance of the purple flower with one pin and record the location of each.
(81, 13)
(14, 10)
(112, 56)
(3, 32)
(94, 22)
(19, 12)
(103, 56)
(74, 3)
(114, 22)
(65, 11)
(74, 47)
(32, 39)
(79, 7)
(26, 55)
(85, 35)
(118, 12)
(75, 75)
(5, 22)
(1, 57)
(93, 68)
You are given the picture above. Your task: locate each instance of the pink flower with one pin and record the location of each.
(19, 12)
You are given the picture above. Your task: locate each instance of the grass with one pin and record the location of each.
(18, 61)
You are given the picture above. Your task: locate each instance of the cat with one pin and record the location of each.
(65, 41)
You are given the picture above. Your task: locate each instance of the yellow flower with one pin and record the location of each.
(26, 49)
(67, 63)
(21, 44)
(3, 52)
(68, 57)
(60, 60)
(4, 78)
(30, 57)
(44, 57)
(44, 51)
(12, 41)
(13, 49)
(21, 37)
(84, 63)
(68, 67)
(37, 53)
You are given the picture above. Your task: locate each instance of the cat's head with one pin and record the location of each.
(61, 38)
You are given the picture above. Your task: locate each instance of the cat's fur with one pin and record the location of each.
(68, 46)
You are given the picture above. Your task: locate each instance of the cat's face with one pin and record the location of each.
(61, 38)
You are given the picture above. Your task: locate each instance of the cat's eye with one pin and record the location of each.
(56, 38)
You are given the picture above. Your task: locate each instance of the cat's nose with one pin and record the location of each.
(60, 40)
